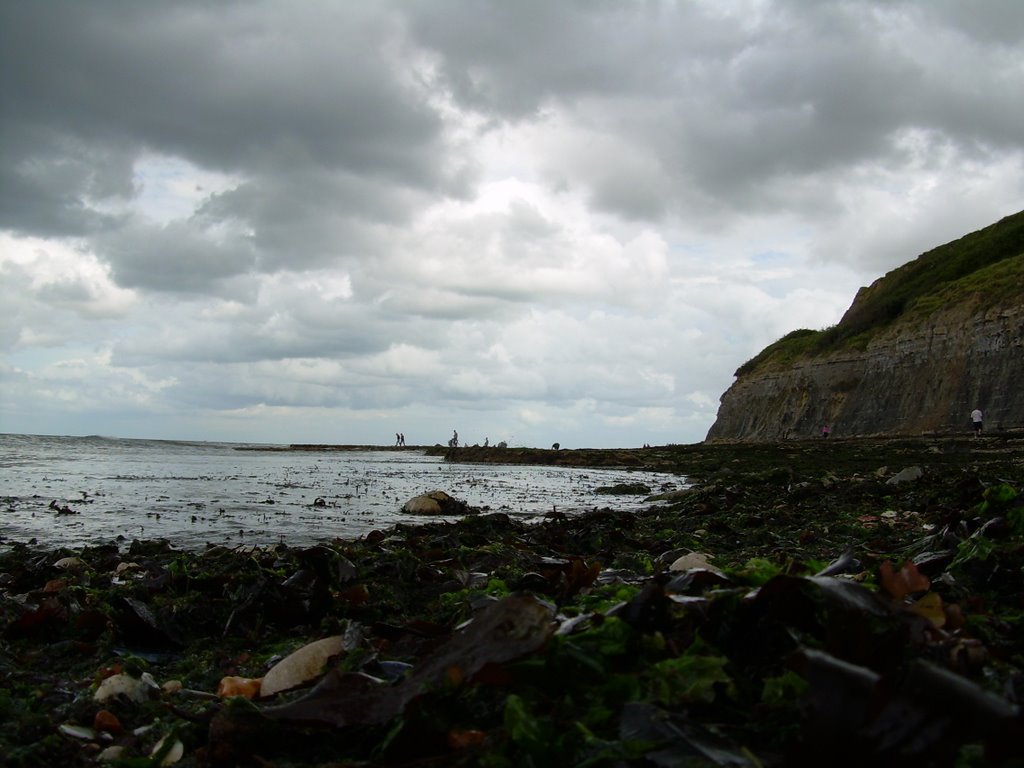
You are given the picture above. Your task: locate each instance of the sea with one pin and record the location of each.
(70, 492)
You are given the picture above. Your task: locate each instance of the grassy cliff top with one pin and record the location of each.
(979, 271)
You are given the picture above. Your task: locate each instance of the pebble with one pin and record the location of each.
(694, 560)
(122, 685)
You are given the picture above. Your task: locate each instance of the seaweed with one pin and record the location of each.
(789, 607)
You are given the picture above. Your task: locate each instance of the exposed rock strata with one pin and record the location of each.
(913, 380)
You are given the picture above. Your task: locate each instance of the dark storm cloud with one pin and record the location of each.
(48, 177)
(178, 257)
(234, 86)
(996, 22)
(293, 323)
(280, 97)
(509, 59)
(321, 112)
(311, 218)
(727, 108)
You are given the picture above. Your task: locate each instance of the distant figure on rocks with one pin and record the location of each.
(401, 438)
(826, 431)
(398, 439)
(454, 442)
(487, 442)
(555, 446)
(976, 420)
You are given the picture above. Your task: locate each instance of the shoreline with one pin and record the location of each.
(735, 643)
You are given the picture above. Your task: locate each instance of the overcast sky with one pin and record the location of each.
(530, 221)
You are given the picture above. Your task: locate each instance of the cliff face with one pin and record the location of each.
(921, 380)
(953, 347)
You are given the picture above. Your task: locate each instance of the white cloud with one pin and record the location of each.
(332, 222)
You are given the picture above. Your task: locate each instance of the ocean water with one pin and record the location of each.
(74, 491)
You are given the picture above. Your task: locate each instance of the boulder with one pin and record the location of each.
(435, 503)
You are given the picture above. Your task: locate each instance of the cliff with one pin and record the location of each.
(916, 352)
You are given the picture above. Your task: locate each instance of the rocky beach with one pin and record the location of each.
(801, 603)
(247, 249)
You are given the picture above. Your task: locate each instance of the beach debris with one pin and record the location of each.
(930, 607)
(506, 630)
(672, 495)
(648, 611)
(54, 585)
(678, 740)
(140, 627)
(47, 618)
(908, 579)
(845, 563)
(327, 565)
(106, 721)
(908, 475)
(298, 668)
(761, 664)
(234, 685)
(70, 564)
(124, 566)
(624, 489)
(918, 718)
(303, 597)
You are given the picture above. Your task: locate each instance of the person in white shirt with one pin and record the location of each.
(976, 419)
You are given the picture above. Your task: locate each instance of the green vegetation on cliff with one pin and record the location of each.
(980, 270)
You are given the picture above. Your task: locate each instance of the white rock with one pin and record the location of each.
(174, 754)
(69, 563)
(694, 560)
(122, 685)
(300, 667)
(110, 754)
(905, 476)
(78, 732)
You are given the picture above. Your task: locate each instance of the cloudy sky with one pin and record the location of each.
(532, 221)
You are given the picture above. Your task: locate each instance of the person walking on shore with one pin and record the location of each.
(976, 420)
